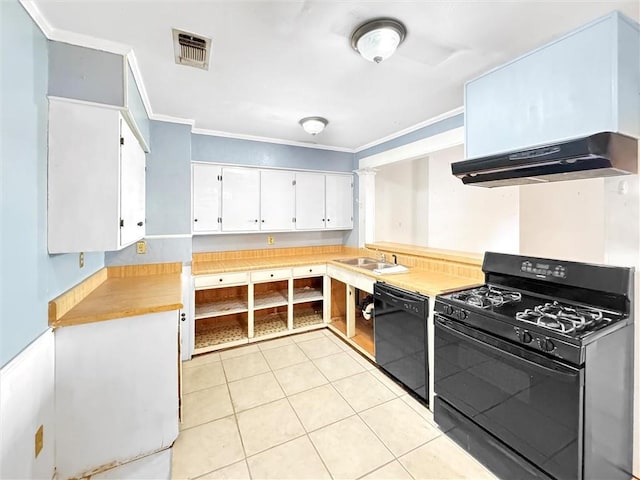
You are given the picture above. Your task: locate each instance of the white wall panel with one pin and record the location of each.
(26, 402)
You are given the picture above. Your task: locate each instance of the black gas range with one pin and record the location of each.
(533, 369)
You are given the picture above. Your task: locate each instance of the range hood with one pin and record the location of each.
(603, 154)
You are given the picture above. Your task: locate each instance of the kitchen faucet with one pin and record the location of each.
(383, 258)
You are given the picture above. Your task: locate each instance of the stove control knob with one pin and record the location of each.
(447, 309)
(547, 345)
(462, 314)
(525, 337)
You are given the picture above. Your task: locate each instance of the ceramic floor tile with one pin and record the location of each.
(300, 377)
(399, 426)
(293, 460)
(239, 351)
(340, 343)
(388, 382)
(349, 449)
(268, 425)
(206, 405)
(202, 360)
(319, 347)
(237, 471)
(363, 391)
(254, 391)
(362, 360)
(284, 356)
(440, 458)
(319, 407)
(421, 409)
(275, 343)
(391, 471)
(201, 377)
(305, 337)
(245, 366)
(338, 366)
(205, 448)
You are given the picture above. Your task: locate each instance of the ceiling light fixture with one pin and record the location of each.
(376, 40)
(313, 125)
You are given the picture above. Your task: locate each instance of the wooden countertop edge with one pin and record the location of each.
(113, 315)
(60, 306)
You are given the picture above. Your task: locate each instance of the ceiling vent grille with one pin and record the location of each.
(191, 50)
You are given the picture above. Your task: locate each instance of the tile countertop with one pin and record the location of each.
(116, 296)
(416, 279)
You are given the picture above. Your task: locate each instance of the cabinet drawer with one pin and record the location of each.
(209, 281)
(268, 275)
(309, 270)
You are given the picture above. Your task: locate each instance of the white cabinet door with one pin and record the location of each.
(277, 200)
(339, 203)
(240, 199)
(206, 198)
(132, 187)
(95, 183)
(309, 201)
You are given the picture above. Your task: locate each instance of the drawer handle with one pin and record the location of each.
(272, 274)
(311, 270)
(221, 279)
(140, 224)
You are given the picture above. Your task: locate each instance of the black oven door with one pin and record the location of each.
(531, 403)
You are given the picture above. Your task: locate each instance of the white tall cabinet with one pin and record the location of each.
(339, 204)
(310, 198)
(96, 179)
(206, 197)
(277, 200)
(240, 199)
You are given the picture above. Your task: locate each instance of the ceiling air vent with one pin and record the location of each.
(191, 49)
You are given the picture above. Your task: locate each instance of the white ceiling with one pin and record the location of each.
(274, 62)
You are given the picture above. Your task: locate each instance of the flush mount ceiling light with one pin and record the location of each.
(313, 125)
(377, 39)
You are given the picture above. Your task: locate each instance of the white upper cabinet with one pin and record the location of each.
(250, 199)
(339, 201)
(583, 83)
(96, 179)
(277, 200)
(206, 181)
(310, 207)
(240, 199)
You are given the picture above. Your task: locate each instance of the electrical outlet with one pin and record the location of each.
(141, 247)
(81, 259)
(270, 240)
(39, 440)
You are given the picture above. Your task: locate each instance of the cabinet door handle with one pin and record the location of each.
(256, 220)
(183, 317)
(140, 224)
(262, 221)
(195, 219)
(328, 219)
(323, 219)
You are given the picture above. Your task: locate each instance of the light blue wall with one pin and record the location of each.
(86, 74)
(430, 130)
(207, 148)
(136, 107)
(29, 277)
(159, 250)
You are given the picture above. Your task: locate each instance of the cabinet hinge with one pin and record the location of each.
(121, 140)
(121, 223)
(219, 219)
(293, 219)
(293, 182)
(219, 178)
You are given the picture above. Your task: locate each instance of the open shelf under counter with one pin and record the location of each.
(214, 333)
(219, 308)
(307, 294)
(267, 324)
(270, 299)
(307, 314)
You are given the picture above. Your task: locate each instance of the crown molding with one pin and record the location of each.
(413, 128)
(171, 119)
(255, 138)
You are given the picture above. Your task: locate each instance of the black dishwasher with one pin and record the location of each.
(400, 336)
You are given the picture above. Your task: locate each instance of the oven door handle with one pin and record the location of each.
(555, 369)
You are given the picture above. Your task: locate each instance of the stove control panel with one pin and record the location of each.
(543, 270)
(454, 312)
(541, 343)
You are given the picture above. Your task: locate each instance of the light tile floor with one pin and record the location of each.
(307, 407)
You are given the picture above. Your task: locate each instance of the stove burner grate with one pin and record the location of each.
(562, 318)
(485, 297)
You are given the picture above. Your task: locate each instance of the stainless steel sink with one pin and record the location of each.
(359, 262)
(378, 265)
